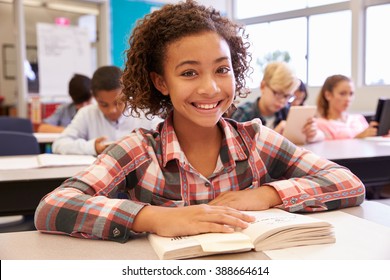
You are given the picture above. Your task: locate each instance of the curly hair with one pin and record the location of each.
(148, 46)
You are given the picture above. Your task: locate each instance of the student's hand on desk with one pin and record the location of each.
(261, 198)
(189, 220)
(100, 145)
(372, 130)
(280, 127)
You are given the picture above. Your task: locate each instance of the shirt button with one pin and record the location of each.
(116, 232)
(207, 184)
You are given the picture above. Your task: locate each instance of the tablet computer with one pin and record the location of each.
(296, 119)
(382, 116)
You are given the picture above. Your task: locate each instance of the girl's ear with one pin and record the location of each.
(262, 85)
(327, 95)
(159, 83)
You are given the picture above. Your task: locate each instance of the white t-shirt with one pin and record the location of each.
(89, 123)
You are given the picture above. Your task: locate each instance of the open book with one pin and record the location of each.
(43, 160)
(273, 229)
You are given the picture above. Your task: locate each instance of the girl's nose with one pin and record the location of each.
(209, 86)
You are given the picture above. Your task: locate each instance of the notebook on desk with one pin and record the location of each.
(382, 116)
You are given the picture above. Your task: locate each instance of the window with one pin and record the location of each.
(377, 46)
(319, 37)
(289, 44)
(329, 46)
(255, 8)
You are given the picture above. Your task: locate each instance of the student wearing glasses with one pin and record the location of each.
(277, 92)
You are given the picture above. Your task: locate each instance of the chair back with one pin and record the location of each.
(18, 143)
(16, 124)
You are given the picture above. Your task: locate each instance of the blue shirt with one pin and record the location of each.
(62, 116)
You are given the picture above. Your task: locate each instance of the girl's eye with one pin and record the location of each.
(223, 70)
(189, 74)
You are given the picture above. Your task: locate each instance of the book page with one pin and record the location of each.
(224, 242)
(172, 247)
(276, 228)
(182, 247)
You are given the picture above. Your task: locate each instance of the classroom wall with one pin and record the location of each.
(33, 15)
(123, 21)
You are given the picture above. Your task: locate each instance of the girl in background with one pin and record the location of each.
(336, 95)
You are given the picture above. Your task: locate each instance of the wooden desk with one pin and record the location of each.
(21, 190)
(39, 246)
(369, 160)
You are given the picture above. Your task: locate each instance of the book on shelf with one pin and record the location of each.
(44, 160)
(273, 229)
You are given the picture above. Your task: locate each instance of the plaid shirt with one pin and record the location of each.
(250, 110)
(148, 167)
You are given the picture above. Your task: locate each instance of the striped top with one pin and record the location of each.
(149, 167)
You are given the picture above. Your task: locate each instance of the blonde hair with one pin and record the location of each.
(280, 77)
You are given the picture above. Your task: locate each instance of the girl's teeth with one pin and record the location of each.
(207, 106)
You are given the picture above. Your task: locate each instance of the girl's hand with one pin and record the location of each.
(261, 198)
(100, 145)
(372, 130)
(189, 220)
(313, 134)
(280, 127)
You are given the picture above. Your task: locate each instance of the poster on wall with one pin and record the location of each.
(62, 52)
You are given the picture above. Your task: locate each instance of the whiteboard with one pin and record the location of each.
(62, 52)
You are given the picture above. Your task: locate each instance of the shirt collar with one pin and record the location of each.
(171, 150)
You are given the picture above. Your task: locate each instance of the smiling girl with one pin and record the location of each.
(197, 170)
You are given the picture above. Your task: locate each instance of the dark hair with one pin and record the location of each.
(329, 84)
(302, 88)
(80, 88)
(149, 42)
(106, 78)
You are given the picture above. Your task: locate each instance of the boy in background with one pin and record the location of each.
(96, 125)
